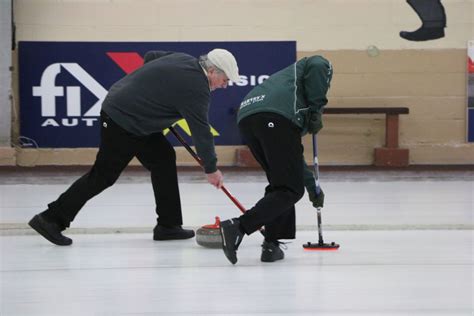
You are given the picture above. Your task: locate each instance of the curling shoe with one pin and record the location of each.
(231, 238)
(161, 232)
(271, 251)
(49, 230)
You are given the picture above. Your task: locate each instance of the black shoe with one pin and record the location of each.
(423, 34)
(271, 251)
(231, 238)
(170, 233)
(49, 230)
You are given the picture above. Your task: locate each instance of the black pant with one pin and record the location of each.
(276, 144)
(117, 148)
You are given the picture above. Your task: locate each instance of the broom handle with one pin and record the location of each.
(196, 157)
(316, 164)
(318, 188)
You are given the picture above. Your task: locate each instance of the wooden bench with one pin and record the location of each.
(388, 156)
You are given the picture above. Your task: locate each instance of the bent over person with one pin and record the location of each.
(272, 119)
(168, 87)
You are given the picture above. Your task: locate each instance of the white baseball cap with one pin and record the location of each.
(225, 61)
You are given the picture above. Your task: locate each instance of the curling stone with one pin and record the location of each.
(209, 236)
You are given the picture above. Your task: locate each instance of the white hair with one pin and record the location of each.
(207, 64)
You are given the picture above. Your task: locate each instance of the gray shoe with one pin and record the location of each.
(271, 251)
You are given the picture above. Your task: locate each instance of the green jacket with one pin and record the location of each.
(295, 92)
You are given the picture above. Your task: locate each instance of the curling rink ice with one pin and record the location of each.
(406, 249)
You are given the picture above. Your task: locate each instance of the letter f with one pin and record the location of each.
(48, 91)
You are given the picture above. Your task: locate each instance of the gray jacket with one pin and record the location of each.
(168, 87)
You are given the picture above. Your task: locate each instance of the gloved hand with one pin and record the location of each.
(316, 199)
(315, 122)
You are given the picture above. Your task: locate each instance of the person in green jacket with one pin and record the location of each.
(272, 119)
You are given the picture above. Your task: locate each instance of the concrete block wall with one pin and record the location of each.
(428, 77)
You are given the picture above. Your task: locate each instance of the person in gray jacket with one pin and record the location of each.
(272, 119)
(168, 87)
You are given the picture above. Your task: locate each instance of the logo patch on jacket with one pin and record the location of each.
(253, 100)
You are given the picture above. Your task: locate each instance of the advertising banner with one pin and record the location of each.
(63, 84)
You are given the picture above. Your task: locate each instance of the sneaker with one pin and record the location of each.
(161, 232)
(231, 238)
(49, 230)
(271, 251)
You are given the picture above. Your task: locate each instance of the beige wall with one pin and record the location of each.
(428, 77)
(314, 24)
(432, 83)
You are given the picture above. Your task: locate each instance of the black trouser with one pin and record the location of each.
(117, 148)
(276, 144)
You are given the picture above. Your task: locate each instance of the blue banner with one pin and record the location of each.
(63, 84)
